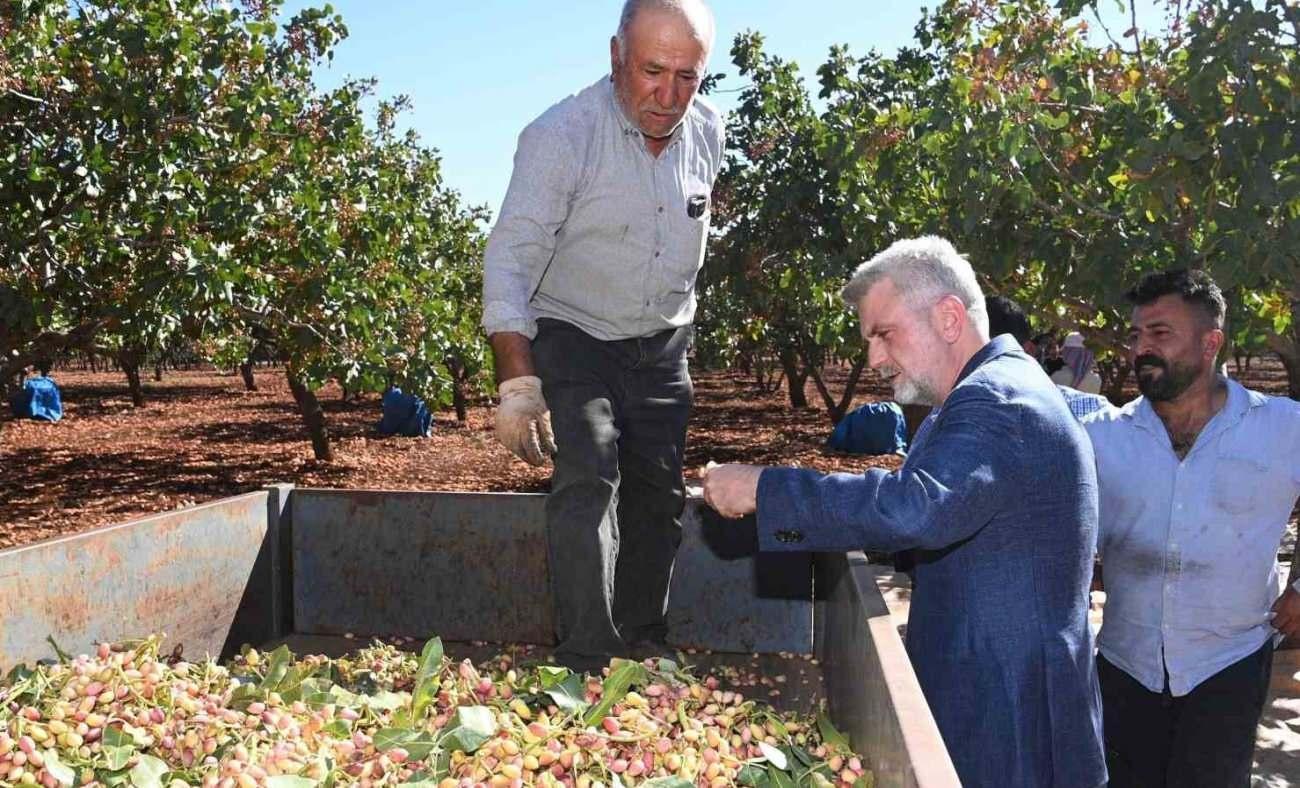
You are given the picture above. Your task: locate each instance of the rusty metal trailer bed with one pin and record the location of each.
(311, 567)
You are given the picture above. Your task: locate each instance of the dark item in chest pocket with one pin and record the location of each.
(696, 205)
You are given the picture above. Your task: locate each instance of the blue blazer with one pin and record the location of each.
(999, 499)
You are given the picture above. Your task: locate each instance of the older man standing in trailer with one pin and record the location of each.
(589, 293)
(998, 627)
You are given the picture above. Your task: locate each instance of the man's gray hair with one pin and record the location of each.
(696, 12)
(923, 270)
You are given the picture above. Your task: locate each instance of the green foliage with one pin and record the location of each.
(169, 169)
(777, 260)
(1064, 168)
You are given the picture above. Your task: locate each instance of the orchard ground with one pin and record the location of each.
(201, 436)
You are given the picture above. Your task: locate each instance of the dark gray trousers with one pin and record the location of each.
(613, 518)
(1204, 739)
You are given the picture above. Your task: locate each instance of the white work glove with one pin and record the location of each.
(523, 421)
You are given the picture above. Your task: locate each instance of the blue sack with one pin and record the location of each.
(874, 428)
(404, 414)
(38, 399)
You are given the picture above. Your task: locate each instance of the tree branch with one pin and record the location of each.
(48, 343)
(1069, 179)
(1137, 36)
(1104, 28)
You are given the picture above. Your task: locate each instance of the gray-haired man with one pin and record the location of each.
(589, 292)
(998, 627)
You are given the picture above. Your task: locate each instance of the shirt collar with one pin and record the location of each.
(1239, 402)
(1000, 345)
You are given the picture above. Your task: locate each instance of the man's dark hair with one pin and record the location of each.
(1006, 317)
(1194, 287)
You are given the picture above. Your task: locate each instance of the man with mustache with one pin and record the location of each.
(588, 297)
(998, 496)
(1198, 477)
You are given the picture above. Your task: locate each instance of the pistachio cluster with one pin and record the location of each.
(129, 715)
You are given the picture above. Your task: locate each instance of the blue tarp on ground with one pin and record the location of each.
(404, 414)
(38, 399)
(874, 428)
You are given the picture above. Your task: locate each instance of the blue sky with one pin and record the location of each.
(478, 71)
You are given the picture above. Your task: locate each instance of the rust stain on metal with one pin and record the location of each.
(208, 615)
(70, 610)
(181, 573)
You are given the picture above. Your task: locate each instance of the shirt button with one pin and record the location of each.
(661, 209)
(656, 254)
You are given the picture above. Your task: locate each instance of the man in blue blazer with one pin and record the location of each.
(998, 497)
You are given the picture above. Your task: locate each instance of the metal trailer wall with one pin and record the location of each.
(202, 575)
(474, 566)
(871, 688)
(283, 561)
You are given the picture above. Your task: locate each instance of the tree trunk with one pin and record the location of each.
(1290, 353)
(1288, 348)
(5, 393)
(129, 361)
(459, 401)
(1114, 374)
(246, 372)
(312, 416)
(838, 409)
(459, 389)
(794, 379)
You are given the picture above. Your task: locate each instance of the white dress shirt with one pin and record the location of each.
(1189, 547)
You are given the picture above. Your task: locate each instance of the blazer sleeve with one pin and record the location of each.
(950, 487)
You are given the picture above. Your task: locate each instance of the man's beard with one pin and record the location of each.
(912, 391)
(1170, 384)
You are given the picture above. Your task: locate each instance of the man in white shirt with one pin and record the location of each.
(1198, 478)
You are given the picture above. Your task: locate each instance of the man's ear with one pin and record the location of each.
(950, 317)
(1212, 343)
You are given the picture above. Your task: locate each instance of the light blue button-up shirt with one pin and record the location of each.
(595, 230)
(1189, 547)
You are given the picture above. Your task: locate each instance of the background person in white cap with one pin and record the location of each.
(1078, 372)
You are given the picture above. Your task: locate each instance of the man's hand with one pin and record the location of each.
(732, 490)
(523, 422)
(1286, 613)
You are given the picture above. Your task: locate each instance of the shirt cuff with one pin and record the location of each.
(498, 317)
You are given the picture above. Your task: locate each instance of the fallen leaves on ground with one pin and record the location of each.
(201, 436)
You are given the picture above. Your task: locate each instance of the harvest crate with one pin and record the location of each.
(295, 564)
